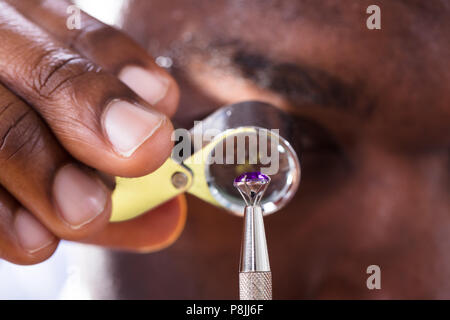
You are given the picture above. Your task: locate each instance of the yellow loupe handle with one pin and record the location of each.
(134, 196)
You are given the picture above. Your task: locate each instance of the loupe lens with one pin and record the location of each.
(252, 149)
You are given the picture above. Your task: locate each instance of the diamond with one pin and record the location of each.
(252, 186)
(252, 176)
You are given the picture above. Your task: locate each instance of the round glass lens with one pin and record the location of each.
(251, 149)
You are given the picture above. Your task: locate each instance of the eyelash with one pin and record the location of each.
(312, 137)
(320, 155)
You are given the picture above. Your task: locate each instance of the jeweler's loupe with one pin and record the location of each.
(243, 137)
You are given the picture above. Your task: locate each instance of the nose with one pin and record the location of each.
(391, 212)
(393, 202)
(393, 189)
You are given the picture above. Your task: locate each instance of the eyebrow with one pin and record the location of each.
(300, 84)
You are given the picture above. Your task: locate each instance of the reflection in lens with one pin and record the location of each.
(283, 185)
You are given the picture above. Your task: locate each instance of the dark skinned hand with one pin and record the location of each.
(74, 103)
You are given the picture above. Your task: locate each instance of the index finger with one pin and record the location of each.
(108, 47)
(98, 119)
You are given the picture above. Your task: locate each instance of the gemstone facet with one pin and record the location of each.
(252, 176)
(252, 186)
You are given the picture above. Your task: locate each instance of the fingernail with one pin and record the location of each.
(80, 197)
(149, 85)
(32, 235)
(128, 126)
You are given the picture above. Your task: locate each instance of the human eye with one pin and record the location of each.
(321, 156)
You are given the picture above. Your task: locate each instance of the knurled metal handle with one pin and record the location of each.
(255, 285)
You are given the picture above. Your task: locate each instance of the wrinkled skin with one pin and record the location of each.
(74, 112)
(375, 186)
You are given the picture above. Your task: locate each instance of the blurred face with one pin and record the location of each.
(376, 168)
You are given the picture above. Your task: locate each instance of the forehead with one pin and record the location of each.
(293, 29)
(402, 68)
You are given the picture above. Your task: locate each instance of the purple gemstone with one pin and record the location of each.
(252, 176)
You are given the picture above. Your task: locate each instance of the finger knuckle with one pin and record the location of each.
(19, 132)
(58, 71)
